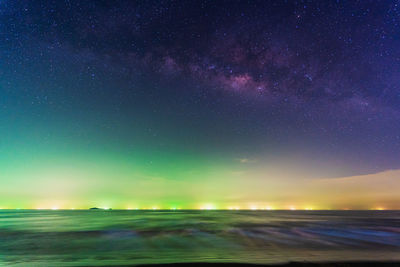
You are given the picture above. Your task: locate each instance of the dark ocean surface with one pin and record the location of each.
(99, 237)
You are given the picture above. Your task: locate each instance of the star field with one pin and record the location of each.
(189, 90)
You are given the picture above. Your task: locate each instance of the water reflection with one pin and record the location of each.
(96, 237)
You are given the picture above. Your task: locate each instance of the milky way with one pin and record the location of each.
(229, 83)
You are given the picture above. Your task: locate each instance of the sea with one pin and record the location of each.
(130, 237)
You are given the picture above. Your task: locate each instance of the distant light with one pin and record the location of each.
(106, 208)
(380, 208)
(292, 208)
(173, 208)
(208, 207)
(309, 208)
(54, 208)
(154, 208)
(253, 208)
(268, 208)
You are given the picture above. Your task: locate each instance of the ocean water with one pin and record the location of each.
(95, 238)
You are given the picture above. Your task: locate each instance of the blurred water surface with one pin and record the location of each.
(99, 237)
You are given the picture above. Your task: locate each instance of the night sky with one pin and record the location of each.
(200, 104)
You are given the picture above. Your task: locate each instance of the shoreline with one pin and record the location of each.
(288, 264)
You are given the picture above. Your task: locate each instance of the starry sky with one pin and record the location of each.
(190, 104)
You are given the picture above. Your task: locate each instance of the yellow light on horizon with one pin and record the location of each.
(208, 207)
(292, 208)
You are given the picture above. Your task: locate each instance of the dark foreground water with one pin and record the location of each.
(68, 238)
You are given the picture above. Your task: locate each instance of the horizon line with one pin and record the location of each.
(180, 209)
